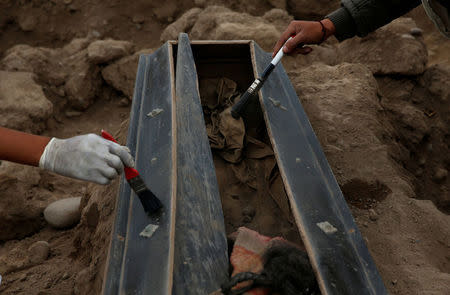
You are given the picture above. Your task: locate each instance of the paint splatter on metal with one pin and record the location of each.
(327, 227)
(277, 103)
(149, 230)
(155, 113)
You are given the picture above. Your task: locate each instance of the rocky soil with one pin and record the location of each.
(379, 105)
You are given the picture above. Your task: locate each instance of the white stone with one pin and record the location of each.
(63, 213)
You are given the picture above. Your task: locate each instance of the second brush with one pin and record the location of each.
(238, 108)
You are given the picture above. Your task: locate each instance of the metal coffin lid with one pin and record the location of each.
(187, 254)
(339, 256)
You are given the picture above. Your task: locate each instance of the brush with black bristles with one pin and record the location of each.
(148, 199)
(239, 107)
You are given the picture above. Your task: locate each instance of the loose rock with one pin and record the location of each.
(373, 215)
(220, 23)
(44, 62)
(416, 32)
(440, 175)
(39, 252)
(436, 80)
(23, 104)
(83, 83)
(103, 51)
(63, 213)
(124, 102)
(20, 201)
(122, 73)
(389, 52)
(183, 24)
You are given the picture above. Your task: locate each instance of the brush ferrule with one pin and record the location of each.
(137, 184)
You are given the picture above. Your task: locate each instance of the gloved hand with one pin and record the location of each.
(86, 157)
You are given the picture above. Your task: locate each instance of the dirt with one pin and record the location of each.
(386, 138)
(249, 181)
(364, 195)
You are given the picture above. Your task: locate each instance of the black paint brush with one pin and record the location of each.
(238, 108)
(148, 199)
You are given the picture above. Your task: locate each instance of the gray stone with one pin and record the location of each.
(183, 24)
(46, 63)
(103, 51)
(122, 73)
(124, 102)
(220, 23)
(38, 252)
(76, 45)
(23, 104)
(63, 213)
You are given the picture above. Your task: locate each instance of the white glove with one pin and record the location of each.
(86, 157)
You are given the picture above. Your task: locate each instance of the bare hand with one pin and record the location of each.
(306, 32)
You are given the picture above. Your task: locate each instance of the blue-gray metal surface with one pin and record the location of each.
(136, 264)
(335, 246)
(201, 259)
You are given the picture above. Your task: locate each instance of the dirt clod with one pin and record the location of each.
(440, 175)
(39, 252)
(364, 195)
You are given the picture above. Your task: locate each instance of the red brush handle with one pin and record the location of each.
(129, 172)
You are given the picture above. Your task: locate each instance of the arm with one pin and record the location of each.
(355, 17)
(21, 147)
(87, 157)
(360, 17)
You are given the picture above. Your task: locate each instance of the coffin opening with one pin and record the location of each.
(251, 189)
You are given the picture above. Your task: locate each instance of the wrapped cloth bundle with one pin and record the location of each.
(264, 265)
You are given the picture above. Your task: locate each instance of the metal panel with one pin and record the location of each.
(340, 258)
(201, 260)
(139, 265)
